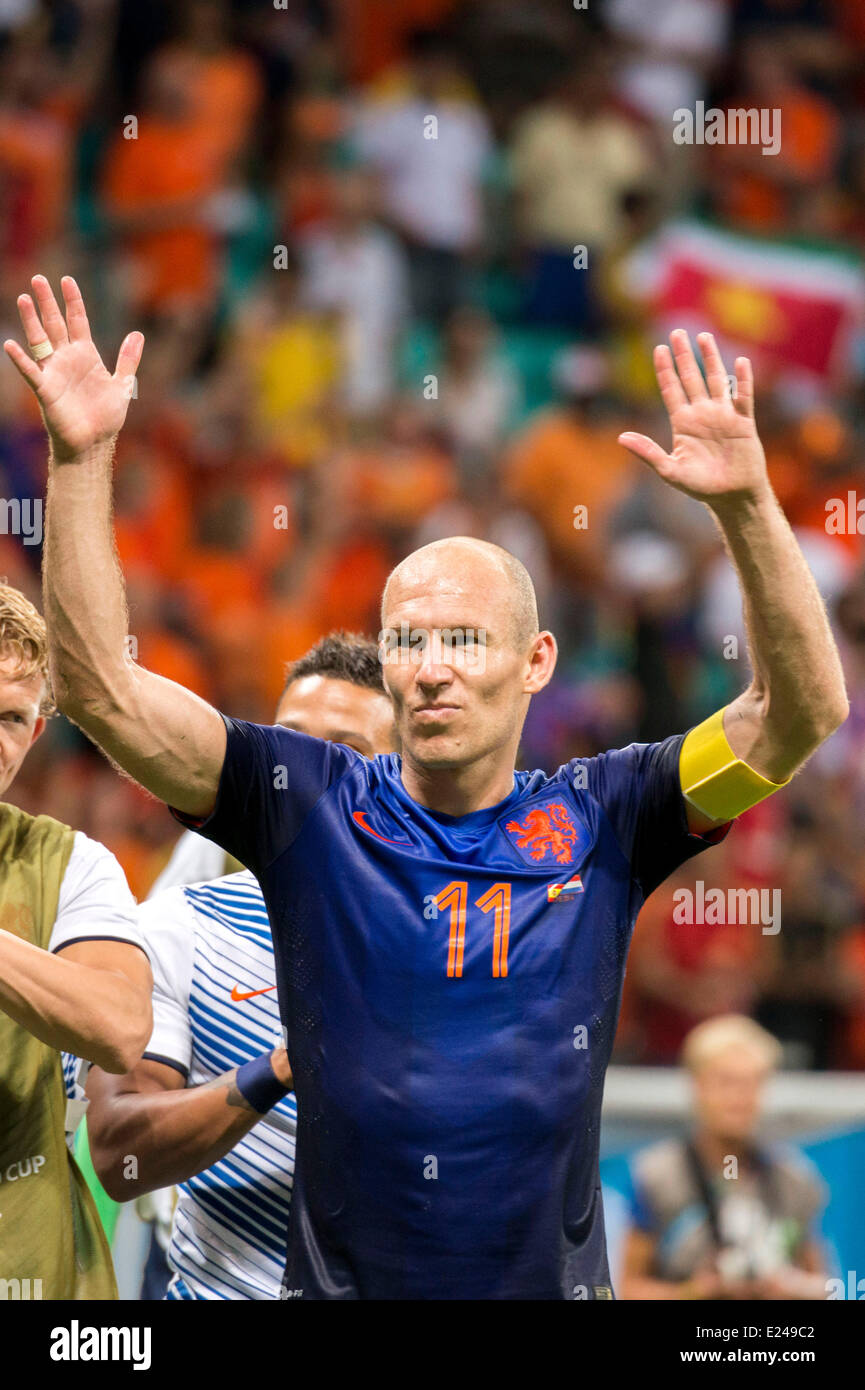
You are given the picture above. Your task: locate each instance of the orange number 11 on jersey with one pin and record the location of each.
(498, 900)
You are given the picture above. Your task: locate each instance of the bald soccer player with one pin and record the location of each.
(450, 934)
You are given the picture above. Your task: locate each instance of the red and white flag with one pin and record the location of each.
(792, 308)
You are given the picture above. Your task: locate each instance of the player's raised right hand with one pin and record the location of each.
(82, 403)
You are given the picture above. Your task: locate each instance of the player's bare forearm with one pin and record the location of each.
(101, 1014)
(164, 736)
(83, 589)
(797, 696)
(172, 1133)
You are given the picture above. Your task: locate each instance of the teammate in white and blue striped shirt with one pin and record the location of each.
(215, 1009)
(209, 1106)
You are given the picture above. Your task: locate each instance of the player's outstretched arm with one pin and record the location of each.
(796, 697)
(164, 736)
(174, 1132)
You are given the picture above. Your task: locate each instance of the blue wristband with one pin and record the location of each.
(258, 1083)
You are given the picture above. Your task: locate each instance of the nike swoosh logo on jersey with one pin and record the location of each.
(237, 996)
(359, 819)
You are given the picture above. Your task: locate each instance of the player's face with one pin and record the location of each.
(729, 1093)
(459, 682)
(20, 720)
(340, 712)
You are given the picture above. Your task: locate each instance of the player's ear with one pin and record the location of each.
(38, 728)
(540, 662)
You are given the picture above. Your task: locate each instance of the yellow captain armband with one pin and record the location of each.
(714, 780)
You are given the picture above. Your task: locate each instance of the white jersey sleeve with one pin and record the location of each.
(167, 924)
(193, 860)
(95, 901)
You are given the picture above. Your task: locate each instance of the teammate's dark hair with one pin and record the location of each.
(342, 656)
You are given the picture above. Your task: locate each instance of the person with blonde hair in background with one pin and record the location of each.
(716, 1215)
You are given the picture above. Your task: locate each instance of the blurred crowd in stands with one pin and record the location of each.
(366, 329)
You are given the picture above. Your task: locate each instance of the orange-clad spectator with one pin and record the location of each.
(222, 81)
(288, 628)
(351, 584)
(776, 192)
(395, 488)
(157, 648)
(235, 645)
(393, 481)
(216, 582)
(814, 476)
(174, 658)
(156, 187)
(153, 512)
(222, 575)
(337, 578)
(263, 498)
(563, 460)
(226, 449)
(273, 523)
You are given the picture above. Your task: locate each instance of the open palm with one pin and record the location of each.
(716, 451)
(82, 403)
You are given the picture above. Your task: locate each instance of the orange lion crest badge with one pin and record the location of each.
(546, 835)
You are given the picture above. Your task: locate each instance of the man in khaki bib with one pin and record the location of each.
(73, 977)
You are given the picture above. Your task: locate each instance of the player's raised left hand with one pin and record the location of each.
(716, 456)
(83, 404)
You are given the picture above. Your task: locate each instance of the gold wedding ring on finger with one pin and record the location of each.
(38, 351)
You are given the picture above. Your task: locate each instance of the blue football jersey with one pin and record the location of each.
(449, 988)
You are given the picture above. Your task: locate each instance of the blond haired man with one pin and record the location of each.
(73, 978)
(716, 1214)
